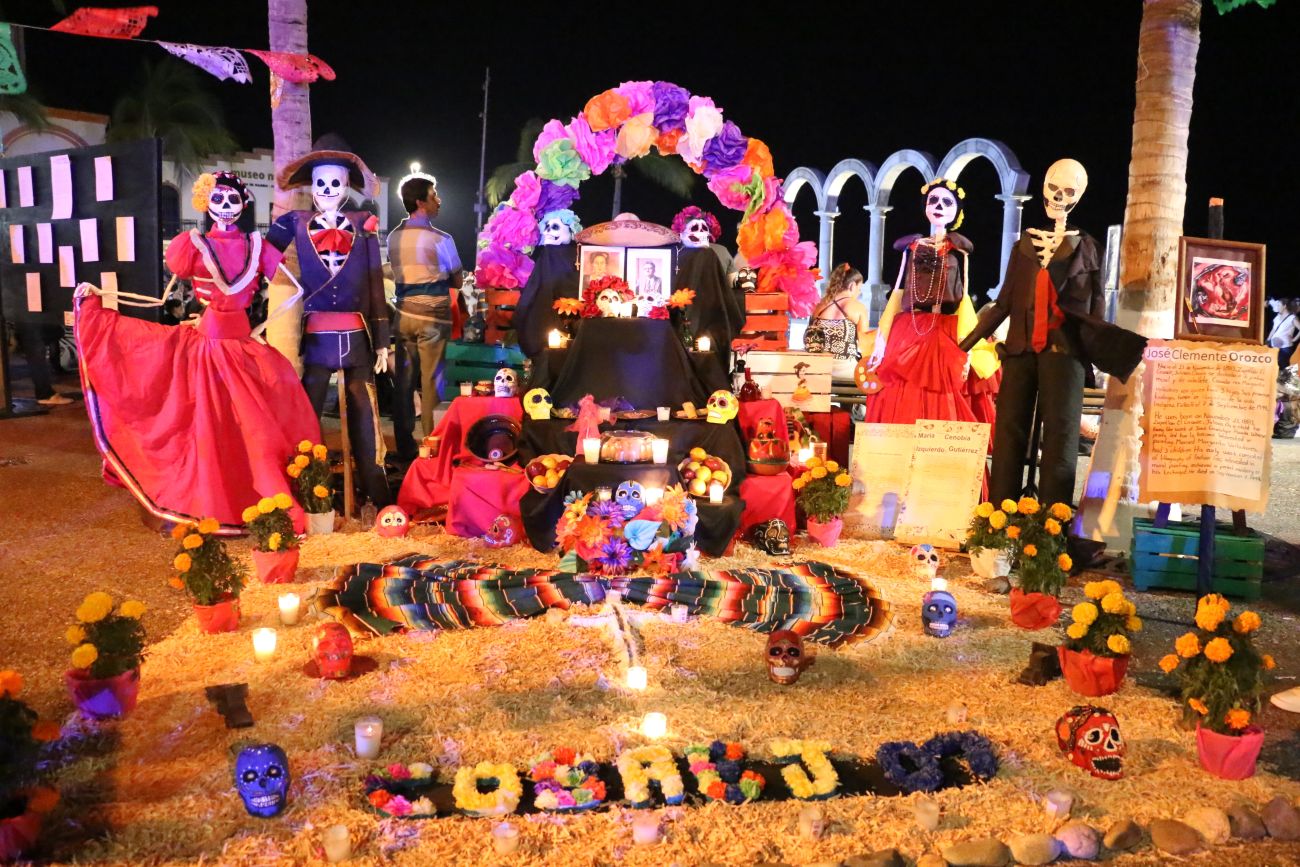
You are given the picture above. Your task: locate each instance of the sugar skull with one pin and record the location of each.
(557, 227)
(630, 497)
(772, 536)
(505, 383)
(943, 204)
(696, 227)
(939, 611)
(537, 403)
(392, 521)
(1089, 736)
(329, 187)
(785, 657)
(722, 406)
(608, 301)
(747, 279)
(262, 779)
(331, 647)
(503, 533)
(227, 199)
(925, 562)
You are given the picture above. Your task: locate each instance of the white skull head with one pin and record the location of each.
(940, 206)
(925, 561)
(555, 231)
(329, 187)
(695, 233)
(537, 403)
(722, 406)
(608, 301)
(1063, 186)
(505, 383)
(225, 204)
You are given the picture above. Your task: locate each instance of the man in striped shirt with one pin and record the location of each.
(427, 271)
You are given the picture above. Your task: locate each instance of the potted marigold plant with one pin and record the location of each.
(1220, 676)
(107, 647)
(23, 804)
(988, 544)
(822, 491)
(275, 545)
(1095, 657)
(212, 578)
(311, 474)
(1041, 562)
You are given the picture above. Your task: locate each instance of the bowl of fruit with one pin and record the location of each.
(545, 472)
(701, 469)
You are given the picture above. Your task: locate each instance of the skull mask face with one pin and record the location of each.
(505, 383)
(331, 647)
(722, 406)
(607, 302)
(939, 613)
(503, 532)
(1089, 736)
(630, 497)
(747, 279)
(329, 187)
(262, 779)
(785, 657)
(555, 232)
(1063, 186)
(772, 536)
(925, 561)
(392, 521)
(940, 207)
(537, 403)
(695, 233)
(225, 204)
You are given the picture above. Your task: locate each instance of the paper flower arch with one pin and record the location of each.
(623, 123)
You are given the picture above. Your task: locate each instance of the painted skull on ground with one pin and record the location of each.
(630, 497)
(772, 536)
(262, 779)
(925, 561)
(392, 521)
(1089, 736)
(608, 301)
(1063, 186)
(722, 406)
(503, 533)
(331, 647)
(537, 403)
(505, 383)
(939, 611)
(786, 659)
(329, 187)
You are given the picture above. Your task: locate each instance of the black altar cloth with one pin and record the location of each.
(555, 275)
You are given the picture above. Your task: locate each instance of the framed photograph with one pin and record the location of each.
(650, 274)
(597, 262)
(1220, 291)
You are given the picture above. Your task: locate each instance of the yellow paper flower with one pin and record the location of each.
(1118, 644)
(1031, 550)
(1133, 624)
(843, 480)
(1197, 705)
(1076, 630)
(1237, 718)
(95, 607)
(75, 635)
(1168, 662)
(133, 609)
(1052, 526)
(1027, 506)
(304, 446)
(1269, 663)
(294, 471)
(302, 461)
(1094, 589)
(273, 542)
(1218, 650)
(1114, 603)
(208, 526)
(832, 467)
(283, 501)
(1061, 512)
(1013, 532)
(1187, 645)
(320, 452)
(84, 656)
(1247, 621)
(998, 520)
(1085, 613)
(984, 510)
(192, 541)
(11, 683)
(1008, 506)
(819, 472)
(321, 491)
(182, 563)
(250, 514)
(1064, 562)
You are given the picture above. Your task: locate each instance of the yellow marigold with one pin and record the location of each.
(192, 541)
(798, 484)
(1208, 617)
(819, 472)
(84, 656)
(1218, 650)
(133, 609)
(1114, 603)
(320, 452)
(984, 510)
(1187, 645)
(179, 531)
(1268, 662)
(1133, 624)
(843, 480)
(182, 563)
(998, 520)
(805, 477)
(202, 188)
(321, 491)
(831, 467)
(283, 501)
(266, 505)
(1076, 630)
(1061, 512)
(1064, 562)
(304, 446)
(1052, 526)
(46, 730)
(302, 461)
(273, 542)
(813, 461)
(1027, 506)
(1008, 506)
(1247, 621)
(250, 514)
(208, 526)
(1197, 705)
(1094, 589)
(1118, 644)
(95, 607)
(176, 582)
(1168, 662)
(1030, 550)
(1237, 718)
(294, 471)
(75, 635)
(1013, 532)
(11, 683)
(42, 800)
(1130, 609)
(1085, 613)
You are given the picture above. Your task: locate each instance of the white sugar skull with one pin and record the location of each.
(695, 233)
(555, 229)
(608, 302)
(925, 562)
(225, 204)
(1063, 186)
(505, 383)
(722, 406)
(329, 187)
(537, 403)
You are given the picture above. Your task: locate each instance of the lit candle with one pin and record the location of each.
(804, 455)
(659, 449)
(654, 725)
(604, 492)
(653, 496)
(927, 814)
(555, 339)
(715, 492)
(819, 449)
(591, 449)
(664, 413)
(1058, 804)
(703, 343)
(290, 607)
(424, 451)
(369, 732)
(466, 389)
(263, 644)
(505, 838)
(812, 824)
(645, 829)
(337, 842)
(636, 678)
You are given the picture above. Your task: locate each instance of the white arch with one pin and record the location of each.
(798, 178)
(839, 175)
(1013, 179)
(894, 166)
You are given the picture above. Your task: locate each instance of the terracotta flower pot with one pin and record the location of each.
(221, 616)
(103, 698)
(1091, 675)
(1229, 757)
(826, 534)
(18, 834)
(1034, 610)
(276, 567)
(991, 563)
(320, 523)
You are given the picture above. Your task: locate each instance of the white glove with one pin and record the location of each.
(877, 356)
(193, 321)
(381, 360)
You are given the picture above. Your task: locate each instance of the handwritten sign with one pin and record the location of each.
(878, 463)
(1208, 423)
(944, 482)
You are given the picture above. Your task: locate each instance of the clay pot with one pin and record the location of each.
(18, 834)
(103, 698)
(1091, 675)
(825, 534)
(320, 523)
(221, 616)
(1034, 610)
(1229, 757)
(991, 563)
(276, 567)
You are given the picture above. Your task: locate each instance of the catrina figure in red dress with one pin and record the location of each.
(196, 420)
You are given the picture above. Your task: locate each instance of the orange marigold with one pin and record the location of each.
(1208, 617)
(1187, 645)
(1064, 562)
(1061, 512)
(1031, 550)
(46, 730)
(11, 683)
(1168, 662)
(1247, 621)
(1237, 718)
(1218, 650)
(681, 298)
(176, 582)
(1197, 705)
(1013, 532)
(1268, 662)
(1027, 506)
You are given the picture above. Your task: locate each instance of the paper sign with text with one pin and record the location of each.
(878, 463)
(943, 483)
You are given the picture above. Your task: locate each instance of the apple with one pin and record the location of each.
(699, 488)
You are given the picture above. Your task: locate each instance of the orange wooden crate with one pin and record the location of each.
(767, 321)
(501, 312)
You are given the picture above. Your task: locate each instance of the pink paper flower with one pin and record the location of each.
(398, 771)
(502, 269)
(553, 131)
(512, 227)
(595, 148)
(528, 189)
(399, 806)
(730, 186)
(639, 95)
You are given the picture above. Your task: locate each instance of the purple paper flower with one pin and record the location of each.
(615, 556)
(670, 106)
(555, 197)
(725, 149)
(595, 148)
(527, 189)
(551, 132)
(640, 96)
(607, 510)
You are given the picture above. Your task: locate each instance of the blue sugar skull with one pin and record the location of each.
(262, 778)
(630, 497)
(939, 613)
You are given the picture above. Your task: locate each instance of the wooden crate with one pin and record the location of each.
(767, 321)
(470, 362)
(775, 372)
(1167, 557)
(500, 317)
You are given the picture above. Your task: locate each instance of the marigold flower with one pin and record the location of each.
(11, 683)
(998, 520)
(1076, 630)
(1064, 562)
(1008, 506)
(1218, 650)
(179, 531)
(1061, 512)
(1268, 662)
(1246, 622)
(1168, 662)
(681, 298)
(84, 656)
(843, 480)
(1113, 603)
(176, 582)
(183, 562)
(132, 609)
(320, 452)
(819, 472)
(1214, 600)
(1197, 705)
(273, 542)
(1094, 589)
(1027, 506)
(1013, 532)
(250, 514)
(1133, 624)
(1237, 718)
(984, 510)
(1052, 526)
(192, 541)
(321, 491)
(1208, 617)
(813, 461)
(1118, 644)
(282, 501)
(208, 526)
(304, 446)
(293, 471)
(1085, 613)
(46, 730)
(266, 505)
(95, 607)
(75, 635)
(831, 467)
(1187, 645)
(798, 484)
(1030, 550)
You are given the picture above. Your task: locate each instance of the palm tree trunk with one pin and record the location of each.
(1153, 221)
(619, 173)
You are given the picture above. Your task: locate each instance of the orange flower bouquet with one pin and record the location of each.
(23, 805)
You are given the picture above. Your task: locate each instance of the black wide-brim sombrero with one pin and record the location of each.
(298, 172)
(493, 438)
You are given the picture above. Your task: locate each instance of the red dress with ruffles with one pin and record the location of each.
(195, 421)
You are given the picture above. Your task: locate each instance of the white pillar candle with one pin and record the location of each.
(554, 339)
(804, 455)
(505, 838)
(659, 449)
(604, 492)
(927, 814)
(1058, 804)
(337, 842)
(665, 413)
(812, 824)
(263, 644)
(653, 496)
(715, 492)
(636, 678)
(678, 613)
(591, 449)
(290, 607)
(703, 343)
(466, 389)
(424, 451)
(645, 829)
(369, 732)
(654, 725)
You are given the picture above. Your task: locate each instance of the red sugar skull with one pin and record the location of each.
(331, 647)
(786, 659)
(503, 533)
(392, 521)
(1089, 736)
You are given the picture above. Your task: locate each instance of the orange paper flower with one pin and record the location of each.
(681, 298)
(758, 156)
(568, 306)
(606, 110)
(666, 144)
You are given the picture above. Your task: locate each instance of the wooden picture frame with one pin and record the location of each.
(1220, 291)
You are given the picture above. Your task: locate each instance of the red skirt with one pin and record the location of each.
(983, 396)
(921, 373)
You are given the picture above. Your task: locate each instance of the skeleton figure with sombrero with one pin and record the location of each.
(345, 317)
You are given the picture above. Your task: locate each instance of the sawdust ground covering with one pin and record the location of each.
(156, 787)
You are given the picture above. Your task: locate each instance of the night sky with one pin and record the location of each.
(1048, 79)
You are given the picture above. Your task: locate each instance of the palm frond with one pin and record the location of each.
(671, 173)
(528, 134)
(27, 109)
(170, 101)
(501, 183)
(1226, 6)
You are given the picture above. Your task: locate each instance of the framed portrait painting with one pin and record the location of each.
(1220, 291)
(650, 274)
(598, 262)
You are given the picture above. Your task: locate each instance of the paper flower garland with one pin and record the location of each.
(640, 765)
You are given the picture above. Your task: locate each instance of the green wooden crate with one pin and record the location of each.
(470, 362)
(1166, 557)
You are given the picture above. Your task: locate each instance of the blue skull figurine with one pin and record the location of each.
(262, 778)
(630, 497)
(939, 613)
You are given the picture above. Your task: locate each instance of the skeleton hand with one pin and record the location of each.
(877, 356)
(381, 360)
(86, 289)
(193, 321)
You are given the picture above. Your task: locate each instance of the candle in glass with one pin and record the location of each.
(591, 449)
(927, 814)
(804, 455)
(715, 492)
(654, 725)
(819, 449)
(466, 389)
(263, 644)
(636, 678)
(653, 496)
(337, 842)
(703, 343)
(369, 731)
(664, 412)
(678, 613)
(290, 607)
(812, 824)
(505, 838)
(604, 492)
(554, 339)
(659, 450)
(645, 829)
